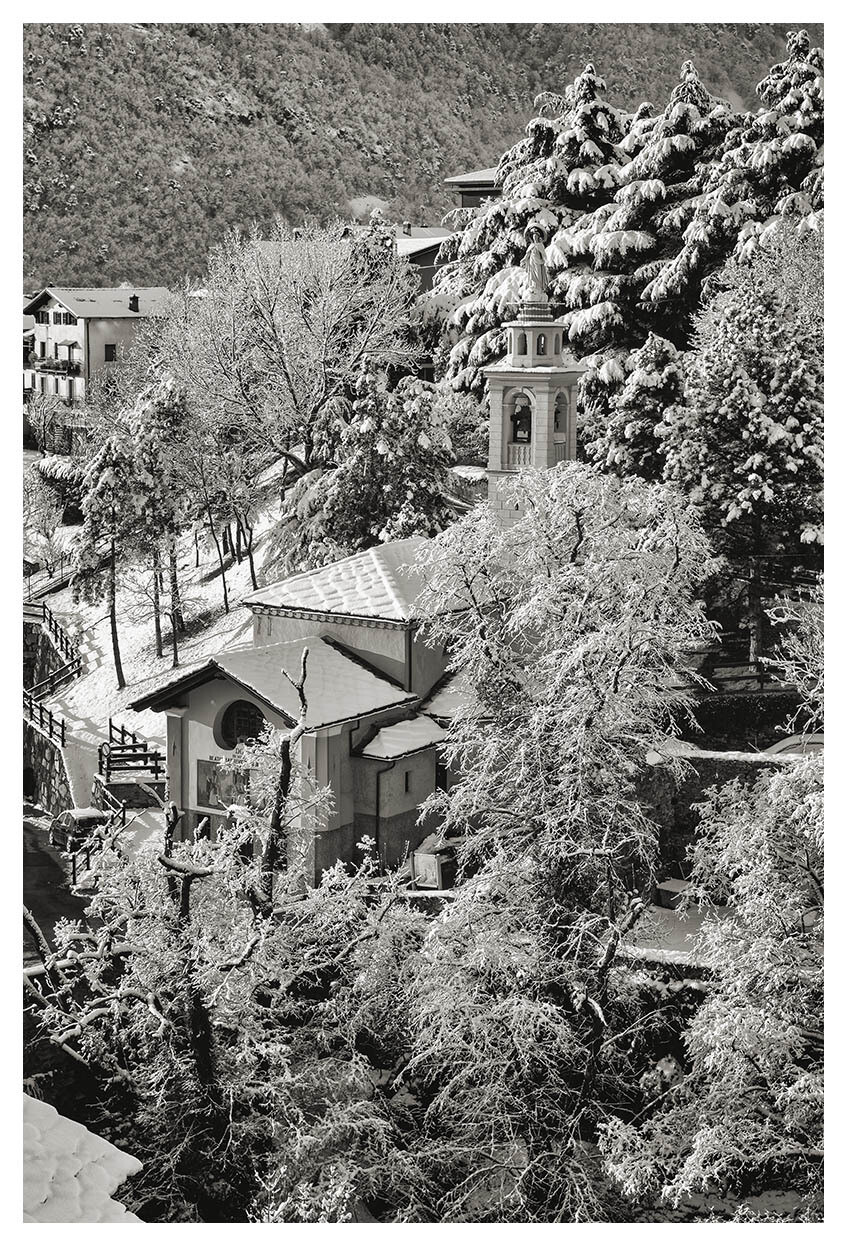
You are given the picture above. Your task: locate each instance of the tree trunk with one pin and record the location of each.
(245, 531)
(157, 602)
(755, 612)
(113, 618)
(275, 849)
(238, 539)
(196, 550)
(174, 604)
(220, 557)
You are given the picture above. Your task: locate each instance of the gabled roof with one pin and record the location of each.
(336, 687)
(370, 585)
(399, 739)
(422, 239)
(110, 302)
(476, 177)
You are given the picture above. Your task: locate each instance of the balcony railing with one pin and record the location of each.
(519, 455)
(65, 367)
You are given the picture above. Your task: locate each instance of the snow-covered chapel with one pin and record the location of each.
(376, 692)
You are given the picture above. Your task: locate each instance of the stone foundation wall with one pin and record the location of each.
(40, 658)
(48, 776)
(670, 804)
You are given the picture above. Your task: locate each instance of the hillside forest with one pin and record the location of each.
(144, 142)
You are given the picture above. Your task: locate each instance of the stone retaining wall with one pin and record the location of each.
(40, 657)
(45, 771)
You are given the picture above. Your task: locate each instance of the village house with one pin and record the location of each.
(79, 331)
(475, 187)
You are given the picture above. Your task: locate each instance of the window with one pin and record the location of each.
(540, 344)
(42, 318)
(561, 408)
(521, 349)
(109, 352)
(57, 318)
(406, 776)
(240, 721)
(556, 344)
(68, 318)
(521, 419)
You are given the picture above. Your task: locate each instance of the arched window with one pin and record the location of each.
(556, 344)
(521, 419)
(540, 344)
(240, 721)
(561, 408)
(521, 349)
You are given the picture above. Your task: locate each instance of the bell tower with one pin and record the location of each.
(532, 400)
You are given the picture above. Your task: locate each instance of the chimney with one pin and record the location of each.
(133, 302)
(407, 228)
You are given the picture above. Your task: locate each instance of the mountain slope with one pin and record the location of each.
(142, 143)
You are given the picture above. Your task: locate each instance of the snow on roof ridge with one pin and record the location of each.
(313, 590)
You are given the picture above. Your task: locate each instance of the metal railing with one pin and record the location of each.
(125, 751)
(40, 612)
(52, 725)
(106, 800)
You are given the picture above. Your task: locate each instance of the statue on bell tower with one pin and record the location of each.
(535, 265)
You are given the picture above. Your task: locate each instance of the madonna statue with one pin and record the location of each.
(536, 268)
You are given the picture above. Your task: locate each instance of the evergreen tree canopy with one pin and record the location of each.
(746, 445)
(569, 160)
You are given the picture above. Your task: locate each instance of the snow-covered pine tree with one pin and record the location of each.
(567, 163)
(771, 167)
(390, 480)
(627, 440)
(157, 425)
(746, 445)
(610, 263)
(107, 518)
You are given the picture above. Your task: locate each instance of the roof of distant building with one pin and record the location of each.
(375, 584)
(337, 687)
(112, 302)
(476, 177)
(399, 739)
(422, 238)
(69, 1172)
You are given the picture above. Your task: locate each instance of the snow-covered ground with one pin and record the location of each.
(94, 698)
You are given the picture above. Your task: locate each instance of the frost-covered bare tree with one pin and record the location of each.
(274, 341)
(572, 628)
(747, 1115)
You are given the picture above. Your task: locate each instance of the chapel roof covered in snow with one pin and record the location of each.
(375, 584)
(399, 739)
(337, 687)
(70, 1173)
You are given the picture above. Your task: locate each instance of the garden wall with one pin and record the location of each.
(45, 773)
(669, 802)
(40, 657)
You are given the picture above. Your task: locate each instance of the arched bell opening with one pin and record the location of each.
(521, 344)
(563, 423)
(518, 410)
(541, 344)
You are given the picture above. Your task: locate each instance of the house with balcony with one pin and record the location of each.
(77, 332)
(475, 187)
